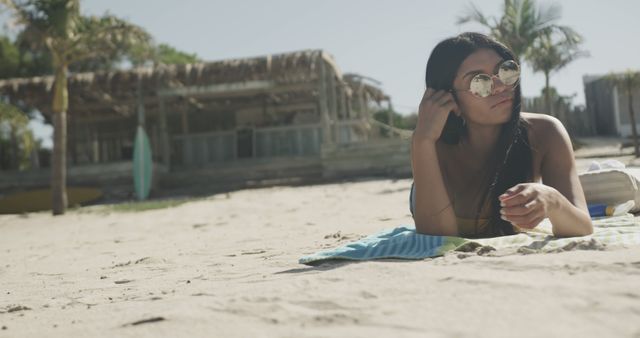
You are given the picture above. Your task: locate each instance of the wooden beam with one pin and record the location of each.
(125, 106)
(226, 88)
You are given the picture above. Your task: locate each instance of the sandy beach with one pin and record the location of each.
(227, 266)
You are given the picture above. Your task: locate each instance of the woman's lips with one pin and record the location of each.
(508, 99)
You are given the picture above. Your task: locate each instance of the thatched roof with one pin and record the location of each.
(115, 91)
(366, 84)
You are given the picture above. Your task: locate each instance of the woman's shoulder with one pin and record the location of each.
(544, 129)
(540, 121)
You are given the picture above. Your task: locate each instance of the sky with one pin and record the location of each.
(389, 41)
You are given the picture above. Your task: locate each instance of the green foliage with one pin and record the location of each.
(628, 80)
(148, 205)
(16, 138)
(551, 53)
(9, 58)
(521, 24)
(406, 122)
(169, 55)
(113, 41)
(161, 54)
(84, 43)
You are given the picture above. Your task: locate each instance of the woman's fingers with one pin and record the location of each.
(522, 197)
(445, 99)
(512, 191)
(427, 93)
(519, 210)
(528, 221)
(437, 96)
(432, 115)
(440, 98)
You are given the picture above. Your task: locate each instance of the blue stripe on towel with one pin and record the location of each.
(403, 242)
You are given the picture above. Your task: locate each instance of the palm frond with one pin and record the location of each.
(473, 14)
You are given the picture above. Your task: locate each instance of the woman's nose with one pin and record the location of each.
(498, 85)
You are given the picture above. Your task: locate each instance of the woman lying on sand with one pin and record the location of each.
(482, 168)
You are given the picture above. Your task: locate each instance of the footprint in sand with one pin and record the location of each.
(340, 237)
(15, 308)
(253, 252)
(145, 321)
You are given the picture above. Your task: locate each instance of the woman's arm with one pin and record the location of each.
(561, 197)
(570, 216)
(433, 214)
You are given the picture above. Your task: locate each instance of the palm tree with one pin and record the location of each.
(70, 38)
(547, 56)
(629, 81)
(521, 24)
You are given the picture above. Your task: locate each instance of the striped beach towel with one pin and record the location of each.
(404, 243)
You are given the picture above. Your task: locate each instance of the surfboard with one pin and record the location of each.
(40, 199)
(142, 165)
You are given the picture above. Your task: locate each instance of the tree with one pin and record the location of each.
(9, 58)
(161, 54)
(521, 24)
(548, 55)
(16, 139)
(533, 35)
(629, 81)
(69, 38)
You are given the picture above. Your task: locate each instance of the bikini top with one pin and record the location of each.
(467, 227)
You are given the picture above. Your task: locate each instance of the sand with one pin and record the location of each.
(227, 266)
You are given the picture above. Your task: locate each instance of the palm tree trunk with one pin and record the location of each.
(59, 163)
(547, 94)
(632, 118)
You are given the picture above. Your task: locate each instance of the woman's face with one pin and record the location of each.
(493, 109)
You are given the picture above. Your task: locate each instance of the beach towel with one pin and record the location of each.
(404, 243)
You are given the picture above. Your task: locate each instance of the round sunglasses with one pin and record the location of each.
(482, 85)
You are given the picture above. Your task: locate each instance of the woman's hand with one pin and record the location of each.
(432, 114)
(527, 204)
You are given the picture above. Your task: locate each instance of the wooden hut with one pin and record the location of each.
(223, 119)
(608, 105)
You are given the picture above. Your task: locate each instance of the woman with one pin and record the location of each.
(482, 168)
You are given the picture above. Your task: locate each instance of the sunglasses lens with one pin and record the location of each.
(509, 72)
(481, 85)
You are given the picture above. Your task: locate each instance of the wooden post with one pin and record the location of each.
(73, 139)
(164, 134)
(390, 117)
(185, 120)
(155, 140)
(361, 102)
(95, 146)
(253, 141)
(140, 99)
(342, 100)
(347, 102)
(330, 89)
(327, 137)
(365, 105)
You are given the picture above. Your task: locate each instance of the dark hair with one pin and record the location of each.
(512, 154)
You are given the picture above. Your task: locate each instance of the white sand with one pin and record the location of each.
(227, 267)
